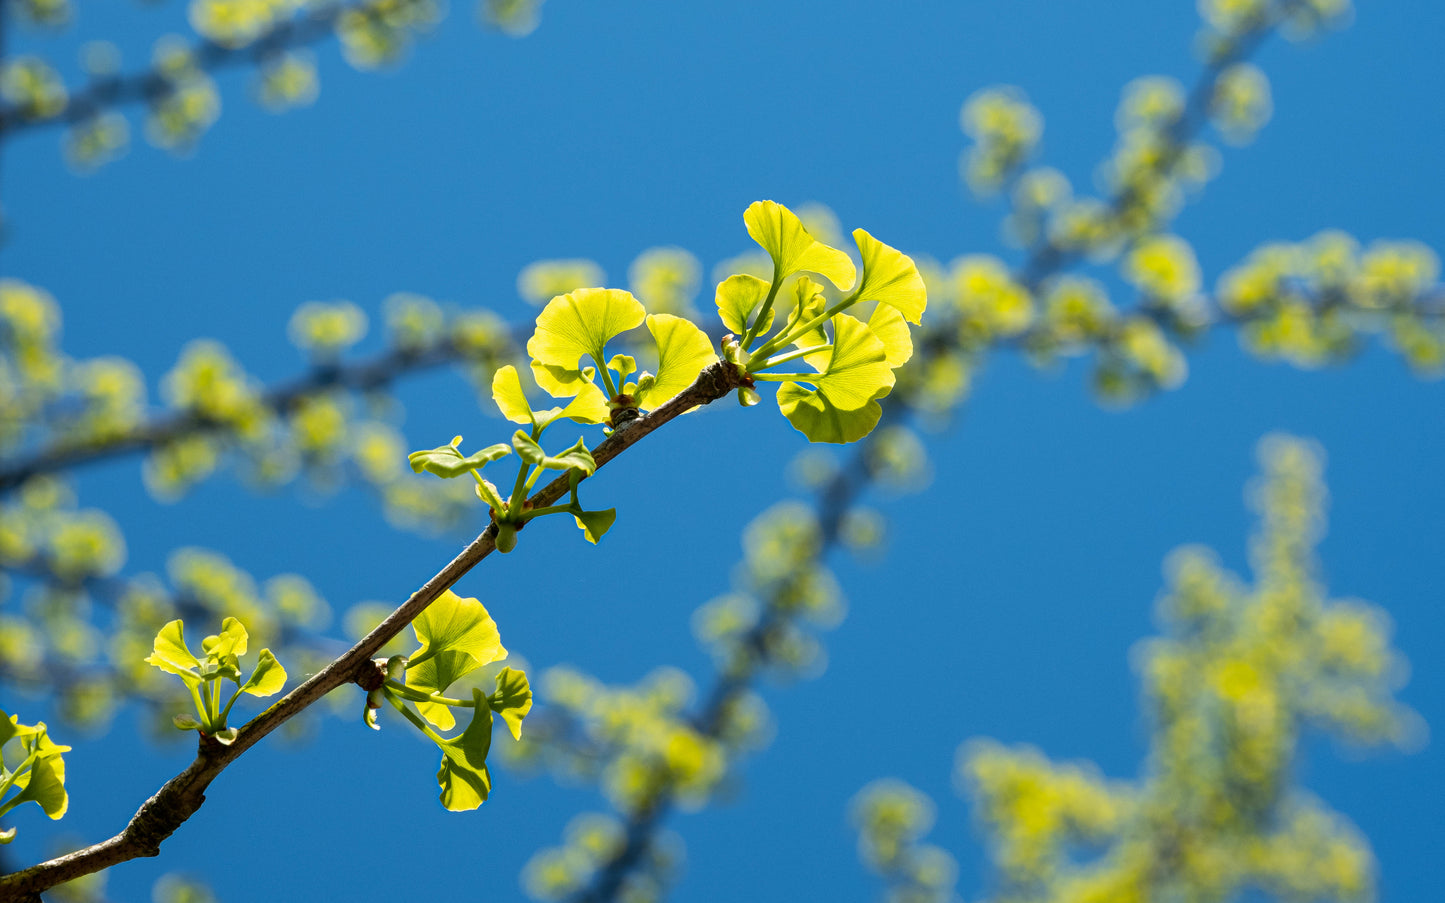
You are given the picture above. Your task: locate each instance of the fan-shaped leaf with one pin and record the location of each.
(512, 699)
(463, 777)
(890, 277)
(792, 249)
(737, 298)
(683, 351)
(576, 325)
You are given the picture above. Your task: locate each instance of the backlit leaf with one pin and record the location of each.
(575, 326)
(512, 699)
(268, 678)
(889, 327)
(171, 654)
(890, 277)
(447, 462)
(792, 249)
(816, 417)
(737, 298)
(463, 777)
(683, 351)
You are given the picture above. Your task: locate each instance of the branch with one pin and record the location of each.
(154, 84)
(365, 375)
(181, 796)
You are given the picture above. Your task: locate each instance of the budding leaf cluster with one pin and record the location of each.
(38, 775)
(220, 659)
(457, 638)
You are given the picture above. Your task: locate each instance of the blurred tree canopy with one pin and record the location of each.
(1239, 674)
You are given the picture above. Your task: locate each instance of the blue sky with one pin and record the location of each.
(1012, 591)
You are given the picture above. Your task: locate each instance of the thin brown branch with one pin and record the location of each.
(181, 796)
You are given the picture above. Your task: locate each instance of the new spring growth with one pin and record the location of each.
(220, 659)
(457, 637)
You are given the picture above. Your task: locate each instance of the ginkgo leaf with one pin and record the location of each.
(888, 325)
(508, 394)
(447, 462)
(737, 298)
(512, 699)
(792, 249)
(843, 405)
(44, 783)
(595, 524)
(590, 405)
(230, 643)
(577, 457)
(816, 417)
(171, 654)
(810, 306)
(683, 351)
(268, 678)
(456, 624)
(890, 277)
(622, 364)
(856, 370)
(579, 325)
(463, 776)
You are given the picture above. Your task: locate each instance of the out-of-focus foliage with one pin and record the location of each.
(181, 97)
(1238, 676)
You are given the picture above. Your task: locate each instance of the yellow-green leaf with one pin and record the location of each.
(268, 678)
(590, 406)
(578, 325)
(595, 524)
(171, 654)
(890, 277)
(792, 249)
(810, 304)
(456, 623)
(463, 776)
(888, 325)
(857, 370)
(229, 643)
(737, 297)
(447, 462)
(457, 636)
(508, 394)
(843, 407)
(683, 351)
(816, 417)
(512, 699)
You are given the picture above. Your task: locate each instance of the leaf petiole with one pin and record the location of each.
(415, 695)
(752, 334)
(784, 358)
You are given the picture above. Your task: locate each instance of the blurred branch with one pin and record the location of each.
(364, 375)
(151, 84)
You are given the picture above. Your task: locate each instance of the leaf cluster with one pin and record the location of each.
(220, 659)
(457, 637)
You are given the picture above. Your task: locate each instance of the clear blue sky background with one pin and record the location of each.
(1012, 591)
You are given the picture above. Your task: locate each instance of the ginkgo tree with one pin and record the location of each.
(860, 337)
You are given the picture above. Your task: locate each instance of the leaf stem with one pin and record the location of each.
(790, 356)
(752, 334)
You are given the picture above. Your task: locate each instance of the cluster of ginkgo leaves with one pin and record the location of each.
(220, 659)
(847, 363)
(458, 637)
(32, 769)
